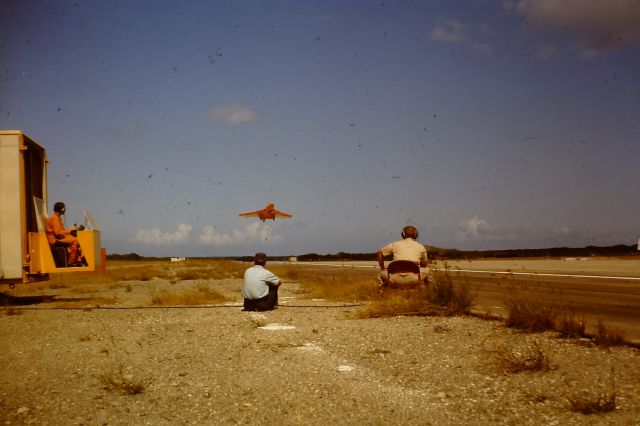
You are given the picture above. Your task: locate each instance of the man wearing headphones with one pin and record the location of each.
(58, 235)
(407, 249)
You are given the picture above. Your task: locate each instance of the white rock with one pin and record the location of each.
(258, 316)
(276, 326)
(310, 347)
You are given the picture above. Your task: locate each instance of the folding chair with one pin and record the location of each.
(59, 252)
(404, 270)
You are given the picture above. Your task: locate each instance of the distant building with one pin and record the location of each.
(293, 259)
(178, 259)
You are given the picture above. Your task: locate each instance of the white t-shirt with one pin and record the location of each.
(255, 282)
(407, 249)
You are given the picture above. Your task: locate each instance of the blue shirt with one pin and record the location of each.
(255, 282)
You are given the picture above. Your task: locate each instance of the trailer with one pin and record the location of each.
(25, 254)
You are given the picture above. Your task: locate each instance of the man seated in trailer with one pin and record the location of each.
(58, 235)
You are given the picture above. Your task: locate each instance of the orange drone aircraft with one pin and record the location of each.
(268, 212)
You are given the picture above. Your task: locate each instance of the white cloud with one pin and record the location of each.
(485, 48)
(477, 229)
(251, 233)
(451, 32)
(127, 132)
(472, 228)
(479, 234)
(595, 25)
(562, 231)
(233, 114)
(455, 32)
(159, 237)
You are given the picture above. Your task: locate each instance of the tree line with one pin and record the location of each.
(434, 253)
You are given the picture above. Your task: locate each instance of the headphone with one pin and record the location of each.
(407, 229)
(59, 207)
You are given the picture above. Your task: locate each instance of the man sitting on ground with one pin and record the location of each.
(58, 235)
(260, 289)
(407, 249)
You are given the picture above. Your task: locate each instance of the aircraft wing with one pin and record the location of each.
(282, 214)
(248, 214)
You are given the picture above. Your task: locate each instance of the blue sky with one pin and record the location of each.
(486, 124)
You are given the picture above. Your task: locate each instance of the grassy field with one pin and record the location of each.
(200, 282)
(160, 311)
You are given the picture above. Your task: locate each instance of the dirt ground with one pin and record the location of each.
(307, 362)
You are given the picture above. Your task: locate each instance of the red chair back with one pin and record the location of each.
(400, 266)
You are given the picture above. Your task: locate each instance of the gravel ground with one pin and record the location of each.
(304, 363)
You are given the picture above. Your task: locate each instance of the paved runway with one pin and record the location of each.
(598, 289)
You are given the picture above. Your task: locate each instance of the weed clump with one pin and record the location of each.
(201, 295)
(595, 401)
(589, 404)
(607, 336)
(571, 327)
(136, 271)
(257, 321)
(402, 302)
(530, 357)
(121, 381)
(341, 286)
(451, 298)
(530, 311)
(125, 383)
(442, 297)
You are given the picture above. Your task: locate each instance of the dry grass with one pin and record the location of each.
(76, 280)
(83, 289)
(596, 399)
(144, 271)
(527, 357)
(121, 271)
(402, 302)
(441, 297)
(120, 380)
(593, 404)
(535, 311)
(571, 326)
(208, 269)
(57, 283)
(529, 310)
(124, 383)
(607, 336)
(532, 311)
(455, 299)
(198, 296)
(257, 321)
(87, 302)
(341, 286)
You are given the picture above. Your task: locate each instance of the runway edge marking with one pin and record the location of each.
(477, 271)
